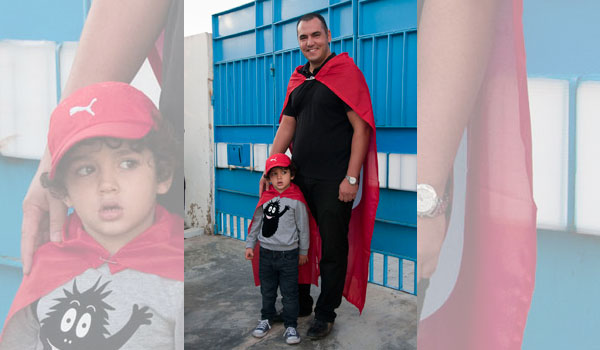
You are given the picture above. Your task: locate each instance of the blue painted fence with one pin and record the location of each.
(255, 51)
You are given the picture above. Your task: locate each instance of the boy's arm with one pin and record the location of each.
(22, 331)
(255, 228)
(303, 227)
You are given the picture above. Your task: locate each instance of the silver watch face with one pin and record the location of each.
(351, 180)
(426, 199)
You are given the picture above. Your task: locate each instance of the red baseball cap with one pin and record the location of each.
(278, 159)
(107, 109)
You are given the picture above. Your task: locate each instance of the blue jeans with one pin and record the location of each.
(279, 268)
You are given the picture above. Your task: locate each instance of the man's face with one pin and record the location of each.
(113, 190)
(314, 42)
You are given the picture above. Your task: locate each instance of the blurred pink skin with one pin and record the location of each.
(488, 307)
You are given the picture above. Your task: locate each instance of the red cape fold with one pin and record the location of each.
(344, 79)
(309, 272)
(158, 250)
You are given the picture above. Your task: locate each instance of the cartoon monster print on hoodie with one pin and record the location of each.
(271, 215)
(79, 320)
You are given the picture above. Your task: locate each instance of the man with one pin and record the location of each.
(328, 115)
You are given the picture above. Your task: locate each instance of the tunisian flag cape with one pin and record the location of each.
(344, 79)
(309, 272)
(158, 250)
(487, 307)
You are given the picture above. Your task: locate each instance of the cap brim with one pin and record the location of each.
(122, 130)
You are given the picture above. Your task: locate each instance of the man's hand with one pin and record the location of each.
(249, 253)
(263, 185)
(43, 217)
(347, 191)
(430, 237)
(302, 259)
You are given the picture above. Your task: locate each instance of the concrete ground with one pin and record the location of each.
(222, 307)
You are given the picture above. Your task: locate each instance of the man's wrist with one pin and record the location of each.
(352, 180)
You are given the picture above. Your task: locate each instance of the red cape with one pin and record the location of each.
(158, 250)
(344, 79)
(309, 272)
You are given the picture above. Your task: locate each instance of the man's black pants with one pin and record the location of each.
(332, 217)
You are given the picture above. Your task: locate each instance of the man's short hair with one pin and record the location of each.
(309, 16)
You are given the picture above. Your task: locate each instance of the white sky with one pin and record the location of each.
(198, 14)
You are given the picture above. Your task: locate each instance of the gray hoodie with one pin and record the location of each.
(280, 224)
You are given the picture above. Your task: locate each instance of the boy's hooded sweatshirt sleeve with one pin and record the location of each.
(303, 228)
(254, 228)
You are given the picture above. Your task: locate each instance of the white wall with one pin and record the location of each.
(199, 149)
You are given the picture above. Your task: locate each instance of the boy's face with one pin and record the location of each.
(280, 178)
(113, 190)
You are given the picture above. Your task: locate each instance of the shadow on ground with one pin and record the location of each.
(222, 307)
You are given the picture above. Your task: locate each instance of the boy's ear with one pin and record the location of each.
(163, 186)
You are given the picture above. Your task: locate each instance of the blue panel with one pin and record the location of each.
(395, 239)
(41, 20)
(235, 47)
(238, 180)
(264, 40)
(410, 83)
(250, 134)
(565, 300)
(264, 13)
(561, 37)
(378, 16)
(296, 8)
(235, 21)
(235, 204)
(397, 206)
(15, 177)
(341, 21)
(397, 140)
(396, 80)
(238, 154)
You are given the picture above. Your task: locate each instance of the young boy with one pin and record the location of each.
(116, 279)
(281, 224)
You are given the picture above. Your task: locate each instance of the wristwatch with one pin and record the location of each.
(428, 202)
(351, 180)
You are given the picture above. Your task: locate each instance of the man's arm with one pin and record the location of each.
(360, 144)
(284, 135)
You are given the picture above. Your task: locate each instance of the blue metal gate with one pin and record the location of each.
(22, 22)
(255, 50)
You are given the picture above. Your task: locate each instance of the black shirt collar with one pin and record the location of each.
(306, 69)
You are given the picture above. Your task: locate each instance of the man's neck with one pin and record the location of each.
(312, 67)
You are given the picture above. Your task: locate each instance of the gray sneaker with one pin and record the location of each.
(261, 329)
(291, 336)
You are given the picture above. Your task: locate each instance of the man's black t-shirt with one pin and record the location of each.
(323, 136)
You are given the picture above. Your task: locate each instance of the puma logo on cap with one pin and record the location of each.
(87, 108)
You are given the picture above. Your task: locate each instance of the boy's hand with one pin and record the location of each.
(302, 259)
(249, 253)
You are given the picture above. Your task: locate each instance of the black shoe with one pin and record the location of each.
(319, 329)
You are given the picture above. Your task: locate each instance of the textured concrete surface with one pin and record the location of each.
(222, 307)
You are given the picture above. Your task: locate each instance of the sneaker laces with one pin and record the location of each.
(290, 331)
(263, 324)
